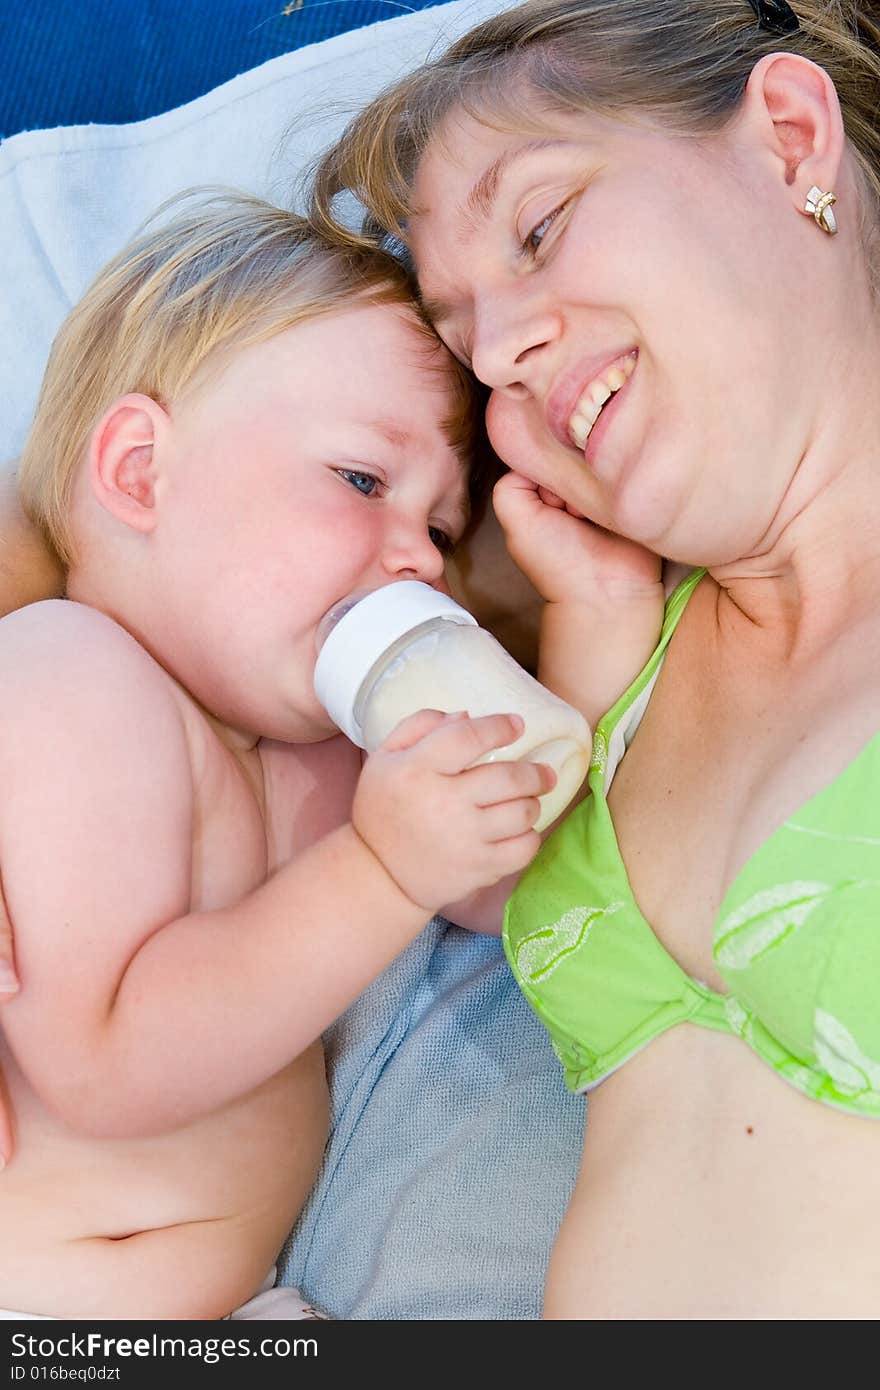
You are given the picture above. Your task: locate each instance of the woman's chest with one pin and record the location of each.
(720, 764)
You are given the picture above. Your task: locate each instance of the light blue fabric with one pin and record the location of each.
(453, 1151)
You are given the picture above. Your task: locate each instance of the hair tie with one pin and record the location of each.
(775, 16)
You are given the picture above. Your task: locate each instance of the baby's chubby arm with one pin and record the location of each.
(603, 595)
(137, 1014)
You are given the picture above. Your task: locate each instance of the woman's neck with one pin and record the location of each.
(815, 573)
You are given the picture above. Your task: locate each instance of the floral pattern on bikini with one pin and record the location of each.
(544, 950)
(765, 921)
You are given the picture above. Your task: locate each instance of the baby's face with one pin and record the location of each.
(309, 465)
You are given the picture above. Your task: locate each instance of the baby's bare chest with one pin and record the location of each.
(230, 853)
(253, 813)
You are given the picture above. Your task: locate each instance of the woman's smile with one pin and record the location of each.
(576, 425)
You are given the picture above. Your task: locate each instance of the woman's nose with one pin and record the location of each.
(511, 338)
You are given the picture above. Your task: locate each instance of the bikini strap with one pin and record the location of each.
(616, 730)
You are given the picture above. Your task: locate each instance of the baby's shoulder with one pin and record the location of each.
(61, 625)
(58, 652)
(66, 630)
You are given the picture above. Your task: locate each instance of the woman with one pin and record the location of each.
(696, 189)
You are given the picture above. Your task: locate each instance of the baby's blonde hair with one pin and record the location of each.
(683, 62)
(227, 271)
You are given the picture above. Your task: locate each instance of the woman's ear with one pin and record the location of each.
(123, 465)
(795, 105)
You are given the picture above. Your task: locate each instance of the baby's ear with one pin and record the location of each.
(122, 461)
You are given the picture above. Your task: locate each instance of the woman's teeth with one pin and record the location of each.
(600, 389)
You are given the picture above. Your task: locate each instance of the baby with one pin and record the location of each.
(238, 425)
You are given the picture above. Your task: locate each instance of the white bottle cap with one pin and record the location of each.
(366, 629)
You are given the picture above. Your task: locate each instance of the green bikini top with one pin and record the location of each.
(797, 939)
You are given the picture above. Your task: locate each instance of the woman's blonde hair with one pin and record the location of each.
(226, 271)
(684, 62)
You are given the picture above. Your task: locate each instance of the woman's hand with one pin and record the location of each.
(604, 595)
(566, 557)
(8, 988)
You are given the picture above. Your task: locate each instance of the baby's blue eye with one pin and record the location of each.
(444, 543)
(365, 483)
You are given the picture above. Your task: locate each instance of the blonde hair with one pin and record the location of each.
(685, 62)
(227, 271)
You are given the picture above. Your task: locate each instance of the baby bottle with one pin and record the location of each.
(385, 653)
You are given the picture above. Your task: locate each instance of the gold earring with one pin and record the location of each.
(818, 204)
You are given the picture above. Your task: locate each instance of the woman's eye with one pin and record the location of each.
(532, 242)
(365, 483)
(444, 542)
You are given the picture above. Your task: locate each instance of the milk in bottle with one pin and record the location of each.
(386, 653)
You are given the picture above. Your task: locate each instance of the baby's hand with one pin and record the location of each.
(566, 557)
(442, 828)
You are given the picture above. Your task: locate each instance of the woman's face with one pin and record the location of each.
(626, 295)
